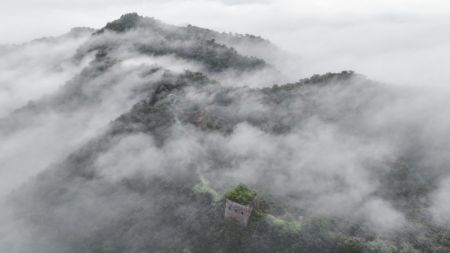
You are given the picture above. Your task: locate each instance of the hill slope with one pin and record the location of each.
(153, 137)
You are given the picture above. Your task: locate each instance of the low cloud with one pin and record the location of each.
(35, 69)
(441, 204)
(393, 41)
(335, 150)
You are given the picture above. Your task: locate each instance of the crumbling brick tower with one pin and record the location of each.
(237, 212)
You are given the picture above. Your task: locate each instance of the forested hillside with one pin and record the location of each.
(159, 122)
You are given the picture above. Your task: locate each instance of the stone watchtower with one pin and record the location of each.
(239, 204)
(237, 212)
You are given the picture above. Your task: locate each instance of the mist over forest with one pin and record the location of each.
(127, 138)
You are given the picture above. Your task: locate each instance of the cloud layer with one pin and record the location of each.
(395, 41)
(341, 148)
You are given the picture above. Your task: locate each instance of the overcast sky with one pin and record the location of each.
(398, 41)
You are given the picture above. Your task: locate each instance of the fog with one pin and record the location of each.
(36, 69)
(396, 41)
(333, 156)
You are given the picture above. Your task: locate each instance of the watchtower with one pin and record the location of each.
(237, 212)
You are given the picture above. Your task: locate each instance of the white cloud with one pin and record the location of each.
(440, 207)
(396, 41)
(381, 39)
(36, 69)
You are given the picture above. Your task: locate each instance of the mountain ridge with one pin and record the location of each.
(152, 149)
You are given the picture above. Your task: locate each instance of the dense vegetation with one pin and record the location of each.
(189, 212)
(241, 194)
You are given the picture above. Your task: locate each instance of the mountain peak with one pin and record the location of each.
(138, 149)
(124, 23)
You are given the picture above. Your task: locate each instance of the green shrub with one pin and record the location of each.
(241, 194)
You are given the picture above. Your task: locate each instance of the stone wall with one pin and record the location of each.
(237, 212)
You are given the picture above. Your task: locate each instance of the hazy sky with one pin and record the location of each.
(398, 41)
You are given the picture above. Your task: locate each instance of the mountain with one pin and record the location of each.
(135, 152)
